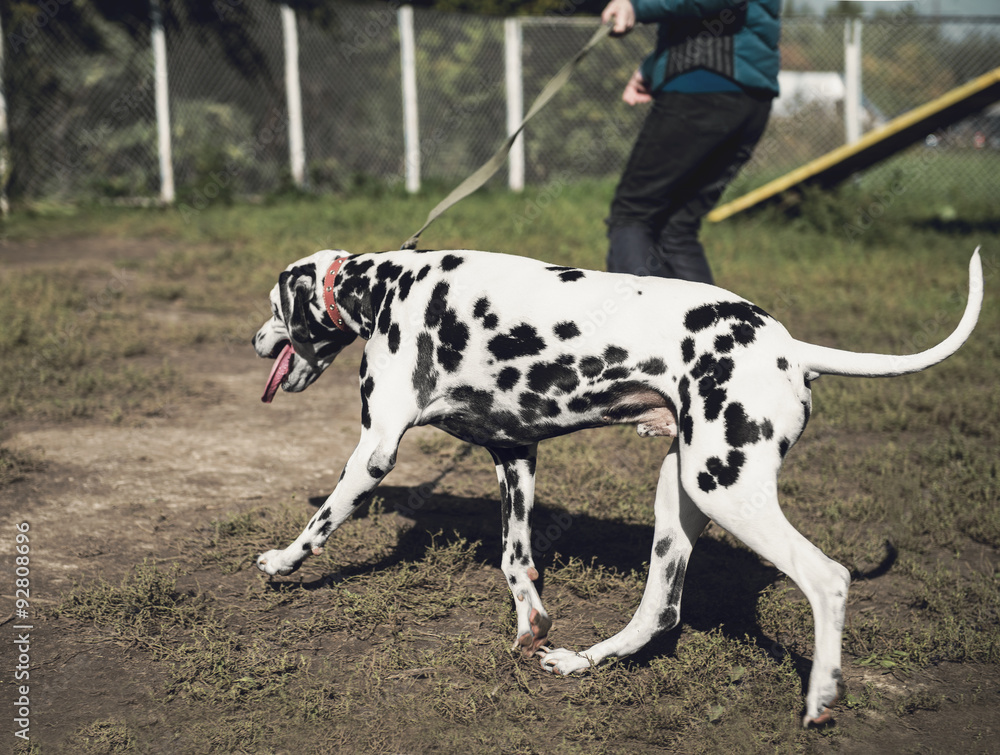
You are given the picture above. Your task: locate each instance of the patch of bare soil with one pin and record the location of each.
(108, 496)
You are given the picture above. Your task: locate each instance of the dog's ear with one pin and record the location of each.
(296, 290)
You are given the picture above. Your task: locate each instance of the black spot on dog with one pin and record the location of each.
(520, 341)
(686, 421)
(615, 355)
(674, 596)
(366, 391)
(743, 333)
(714, 397)
(481, 311)
(508, 378)
(405, 284)
(385, 312)
(782, 364)
(669, 618)
(565, 359)
(393, 338)
(578, 405)
(704, 366)
(743, 311)
(448, 358)
(727, 473)
(616, 373)
(388, 271)
(451, 261)
(424, 375)
(711, 374)
(566, 330)
(566, 274)
(454, 335)
(719, 473)
(423, 272)
(478, 401)
(724, 344)
(437, 305)
(324, 514)
(591, 367)
(325, 529)
(375, 472)
(533, 406)
(663, 547)
(783, 446)
(687, 349)
(357, 267)
(749, 317)
(699, 318)
(654, 366)
(740, 429)
(544, 376)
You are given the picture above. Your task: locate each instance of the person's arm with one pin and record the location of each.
(623, 14)
(636, 92)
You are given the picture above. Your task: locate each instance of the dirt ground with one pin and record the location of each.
(109, 495)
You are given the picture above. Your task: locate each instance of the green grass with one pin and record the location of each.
(396, 639)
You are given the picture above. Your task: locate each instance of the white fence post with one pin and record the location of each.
(411, 120)
(4, 168)
(293, 96)
(162, 103)
(513, 47)
(852, 79)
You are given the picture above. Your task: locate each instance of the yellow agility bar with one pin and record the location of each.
(878, 144)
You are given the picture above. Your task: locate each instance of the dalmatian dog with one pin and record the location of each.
(504, 352)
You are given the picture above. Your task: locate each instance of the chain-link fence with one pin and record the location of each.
(82, 119)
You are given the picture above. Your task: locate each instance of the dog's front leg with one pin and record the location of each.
(516, 473)
(371, 461)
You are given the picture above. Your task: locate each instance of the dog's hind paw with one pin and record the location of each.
(531, 642)
(274, 563)
(563, 662)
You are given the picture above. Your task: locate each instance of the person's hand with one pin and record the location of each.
(636, 92)
(624, 15)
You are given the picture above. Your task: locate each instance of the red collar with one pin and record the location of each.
(328, 300)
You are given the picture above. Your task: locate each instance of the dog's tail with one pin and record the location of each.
(820, 360)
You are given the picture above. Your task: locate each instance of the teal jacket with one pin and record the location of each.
(737, 39)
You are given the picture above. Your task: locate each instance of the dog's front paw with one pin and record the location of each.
(274, 563)
(562, 661)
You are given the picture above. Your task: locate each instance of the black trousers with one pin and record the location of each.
(689, 148)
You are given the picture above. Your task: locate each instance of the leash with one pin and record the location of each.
(492, 165)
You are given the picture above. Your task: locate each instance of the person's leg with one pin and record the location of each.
(679, 248)
(683, 135)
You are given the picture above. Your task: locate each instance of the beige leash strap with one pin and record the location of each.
(492, 165)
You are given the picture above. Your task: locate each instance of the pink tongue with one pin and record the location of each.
(278, 373)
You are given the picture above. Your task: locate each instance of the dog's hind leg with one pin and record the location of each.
(678, 525)
(516, 473)
(749, 510)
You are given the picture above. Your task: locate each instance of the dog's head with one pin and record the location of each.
(298, 319)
